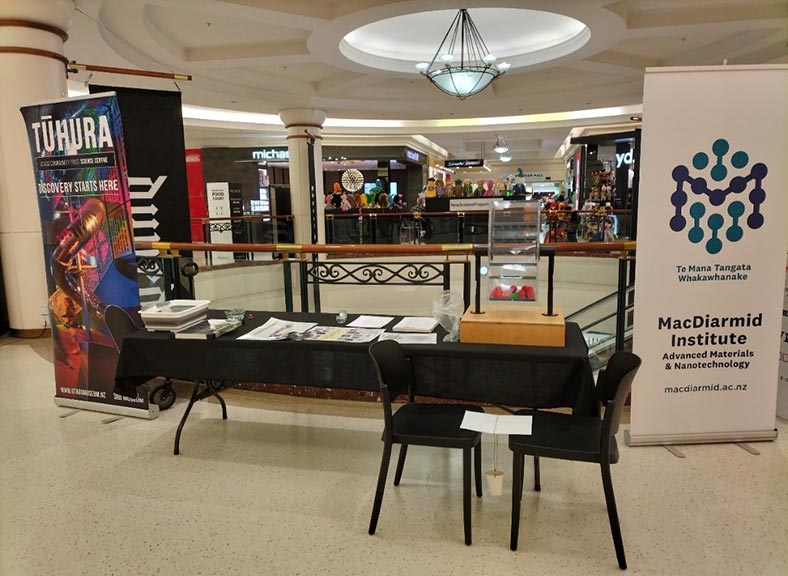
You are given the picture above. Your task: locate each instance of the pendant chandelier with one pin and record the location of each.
(462, 65)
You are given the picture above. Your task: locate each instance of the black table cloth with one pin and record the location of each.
(532, 376)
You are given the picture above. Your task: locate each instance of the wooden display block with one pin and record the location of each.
(525, 326)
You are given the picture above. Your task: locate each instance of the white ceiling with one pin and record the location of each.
(264, 55)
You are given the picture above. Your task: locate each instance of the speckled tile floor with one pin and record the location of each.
(285, 486)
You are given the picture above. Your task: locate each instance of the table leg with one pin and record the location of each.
(192, 400)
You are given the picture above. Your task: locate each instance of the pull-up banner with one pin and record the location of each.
(156, 158)
(712, 239)
(79, 168)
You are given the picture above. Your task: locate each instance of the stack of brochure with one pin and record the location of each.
(211, 328)
(175, 315)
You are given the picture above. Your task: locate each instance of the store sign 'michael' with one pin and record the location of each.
(271, 154)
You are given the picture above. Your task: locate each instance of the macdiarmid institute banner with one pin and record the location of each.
(712, 239)
(83, 197)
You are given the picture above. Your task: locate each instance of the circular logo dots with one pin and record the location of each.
(736, 209)
(734, 233)
(700, 160)
(678, 198)
(680, 173)
(719, 172)
(738, 184)
(757, 196)
(759, 170)
(740, 159)
(677, 223)
(716, 222)
(714, 245)
(755, 220)
(717, 197)
(720, 147)
(697, 210)
(699, 185)
(695, 234)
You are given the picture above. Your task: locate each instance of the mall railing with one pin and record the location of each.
(346, 268)
(376, 226)
(256, 229)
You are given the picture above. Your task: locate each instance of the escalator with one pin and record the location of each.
(598, 324)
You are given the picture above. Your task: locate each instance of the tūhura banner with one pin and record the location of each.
(80, 175)
(712, 239)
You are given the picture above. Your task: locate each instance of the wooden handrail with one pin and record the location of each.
(374, 249)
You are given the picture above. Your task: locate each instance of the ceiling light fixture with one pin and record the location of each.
(506, 157)
(501, 146)
(462, 65)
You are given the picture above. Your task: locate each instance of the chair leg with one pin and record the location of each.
(466, 493)
(612, 514)
(477, 464)
(517, 496)
(537, 477)
(403, 451)
(384, 469)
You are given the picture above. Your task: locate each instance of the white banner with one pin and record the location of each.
(712, 239)
(218, 194)
(782, 386)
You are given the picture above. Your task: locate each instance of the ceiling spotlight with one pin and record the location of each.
(506, 157)
(636, 118)
(500, 145)
(476, 69)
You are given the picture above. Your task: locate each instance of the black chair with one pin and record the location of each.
(420, 424)
(120, 325)
(585, 439)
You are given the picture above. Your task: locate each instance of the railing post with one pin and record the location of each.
(478, 276)
(447, 274)
(329, 224)
(621, 301)
(461, 227)
(373, 228)
(304, 289)
(466, 283)
(550, 278)
(206, 230)
(288, 283)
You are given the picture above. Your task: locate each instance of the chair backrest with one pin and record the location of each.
(394, 373)
(613, 386)
(120, 324)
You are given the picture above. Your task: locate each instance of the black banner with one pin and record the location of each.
(469, 163)
(155, 151)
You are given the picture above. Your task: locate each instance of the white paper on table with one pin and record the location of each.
(410, 338)
(416, 324)
(364, 321)
(276, 329)
(494, 424)
(342, 334)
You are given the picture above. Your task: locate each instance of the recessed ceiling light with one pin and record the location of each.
(636, 118)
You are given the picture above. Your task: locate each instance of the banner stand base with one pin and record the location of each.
(702, 438)
(149, 414)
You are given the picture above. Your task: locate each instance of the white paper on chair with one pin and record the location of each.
(494, 424)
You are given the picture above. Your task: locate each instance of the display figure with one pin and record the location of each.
(344, 203)
(500, 187)
(431, 191)
(440, 188)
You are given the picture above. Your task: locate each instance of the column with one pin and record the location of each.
(32, 69)
(303, 125)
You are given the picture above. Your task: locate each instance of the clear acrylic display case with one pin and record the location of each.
(513, 251)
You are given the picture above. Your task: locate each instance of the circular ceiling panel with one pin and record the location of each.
(523, 37)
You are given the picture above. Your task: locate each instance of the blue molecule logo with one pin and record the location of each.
(710, 192)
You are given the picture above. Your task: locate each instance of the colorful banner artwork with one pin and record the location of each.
(712, 239)
(80, 174)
